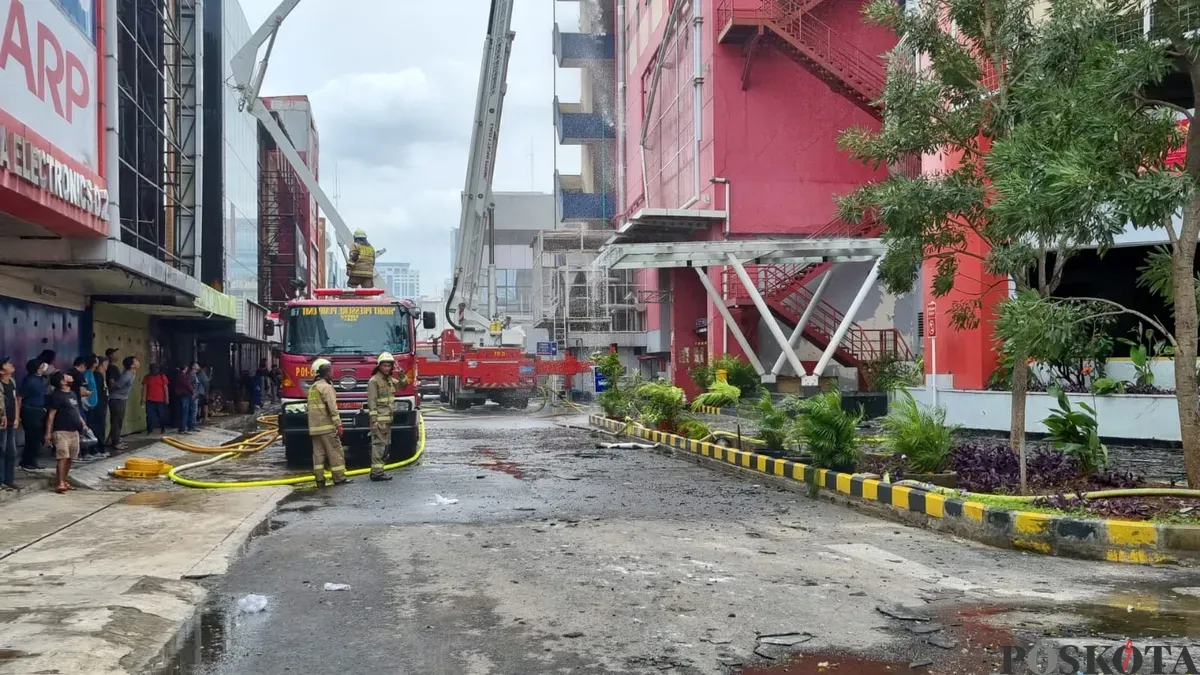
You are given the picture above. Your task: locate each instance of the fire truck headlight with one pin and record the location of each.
(403, 406)
(295, 408)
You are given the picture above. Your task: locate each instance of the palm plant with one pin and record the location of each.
(773, 423)
(919, 433)
(829, 432)
(661, 404)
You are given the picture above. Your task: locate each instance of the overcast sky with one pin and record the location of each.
(393, 85)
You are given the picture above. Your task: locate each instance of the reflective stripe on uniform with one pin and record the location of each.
(322, 429)
(337, 469)
(376, 466)
(318, 467)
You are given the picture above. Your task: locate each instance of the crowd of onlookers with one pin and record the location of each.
(79, 412)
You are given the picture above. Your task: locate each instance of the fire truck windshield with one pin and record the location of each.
(346, 329)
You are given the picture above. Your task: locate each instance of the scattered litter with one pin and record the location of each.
(336, 587)
(924, 628)
(252, 604)
(573, 634)
(785, 639)
(934, 595)
(716, 641)
(627, 446)
(901, 613)
(941, 641)
(921, 663)
(443, 501)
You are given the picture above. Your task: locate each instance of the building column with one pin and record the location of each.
(689, 302)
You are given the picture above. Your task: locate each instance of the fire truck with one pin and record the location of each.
(349, 328)
(482, 356)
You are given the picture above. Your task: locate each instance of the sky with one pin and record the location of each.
(393, 86)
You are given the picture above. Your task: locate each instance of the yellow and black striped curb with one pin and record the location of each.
(1093, 539)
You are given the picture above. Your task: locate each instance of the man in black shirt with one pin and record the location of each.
(63, 426)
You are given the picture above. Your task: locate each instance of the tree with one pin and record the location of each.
(1172, 46)
(1008, 94)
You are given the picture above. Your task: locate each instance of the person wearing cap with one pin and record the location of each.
(381, 403)
(361, 273)
(325, 426)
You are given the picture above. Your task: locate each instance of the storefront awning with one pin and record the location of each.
(97, 267)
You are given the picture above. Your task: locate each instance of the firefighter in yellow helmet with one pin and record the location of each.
(325, 426)
(362, 262)
(381, 402)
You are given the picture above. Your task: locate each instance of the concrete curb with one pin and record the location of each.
(1091, 539)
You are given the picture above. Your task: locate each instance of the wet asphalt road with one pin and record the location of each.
(559, 557)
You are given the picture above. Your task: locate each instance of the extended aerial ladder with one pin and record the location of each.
(476, 230)
(248, 74)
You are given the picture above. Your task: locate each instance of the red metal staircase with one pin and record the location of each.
(784, 289)
(790, 27)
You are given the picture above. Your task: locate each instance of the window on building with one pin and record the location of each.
(514, 292)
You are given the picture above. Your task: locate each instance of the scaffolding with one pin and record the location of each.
(582, 306)
(282, 210)
(158, 48)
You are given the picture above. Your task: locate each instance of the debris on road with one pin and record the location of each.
(627, 446)
(942, 641)
(924, 628)
(901, 613)
(252, 604)
(336, 587)
(443, 501)
(785, 639)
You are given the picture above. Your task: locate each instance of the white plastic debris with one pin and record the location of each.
(252, 604)
(443, 501)
(336, 587)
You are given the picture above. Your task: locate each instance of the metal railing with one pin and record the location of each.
(862, 344)
(791, 21)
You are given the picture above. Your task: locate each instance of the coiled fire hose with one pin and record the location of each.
(258, 442)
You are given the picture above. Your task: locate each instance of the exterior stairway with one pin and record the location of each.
(789, 26)
(784, 289)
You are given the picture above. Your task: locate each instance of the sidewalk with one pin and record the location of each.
(100, 582)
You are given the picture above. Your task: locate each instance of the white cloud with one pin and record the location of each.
(393, 85)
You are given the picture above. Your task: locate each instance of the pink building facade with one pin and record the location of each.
(746, 100)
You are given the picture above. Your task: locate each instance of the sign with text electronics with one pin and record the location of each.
(49, 73)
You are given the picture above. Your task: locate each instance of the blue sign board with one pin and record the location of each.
(547, 349)
(601, 380)
(527, 371)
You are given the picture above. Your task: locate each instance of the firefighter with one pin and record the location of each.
(362, 262)
(325, 426)
(381, 400)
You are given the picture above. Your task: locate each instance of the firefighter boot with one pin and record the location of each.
(380, 435)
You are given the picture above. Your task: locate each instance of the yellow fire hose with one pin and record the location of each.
(256, 443)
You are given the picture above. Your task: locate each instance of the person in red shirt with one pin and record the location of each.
(157, 388)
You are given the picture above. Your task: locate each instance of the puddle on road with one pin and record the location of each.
(205, 645)
(499, 465)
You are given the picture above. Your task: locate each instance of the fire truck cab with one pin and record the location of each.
(350, 328)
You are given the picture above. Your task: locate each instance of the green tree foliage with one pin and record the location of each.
(1056, 148)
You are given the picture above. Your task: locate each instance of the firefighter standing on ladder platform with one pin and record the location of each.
(381, 401)
(362, 262)
(325, 426)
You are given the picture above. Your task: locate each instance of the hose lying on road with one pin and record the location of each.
(1098, 494)
(257, 443)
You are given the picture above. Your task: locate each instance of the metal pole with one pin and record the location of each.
(737, 331)
(112, 139)
(765, 313)
(804, 318)
(848, 319)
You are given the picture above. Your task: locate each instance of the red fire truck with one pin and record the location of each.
(349, 328)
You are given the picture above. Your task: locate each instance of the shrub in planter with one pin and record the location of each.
(919, 433)
(661, 406)
(773, 423)
(991, 466)
(1077, 433)
(615, 401)
(738, 372)
(829, 433)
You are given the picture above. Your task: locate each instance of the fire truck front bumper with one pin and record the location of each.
(356, 425)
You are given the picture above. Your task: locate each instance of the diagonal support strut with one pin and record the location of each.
(734, 328)
(844, 327)
(766, 314)
(803, 322)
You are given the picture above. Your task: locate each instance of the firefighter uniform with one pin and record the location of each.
(324, 425)
(381, 402)
(362, 262)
